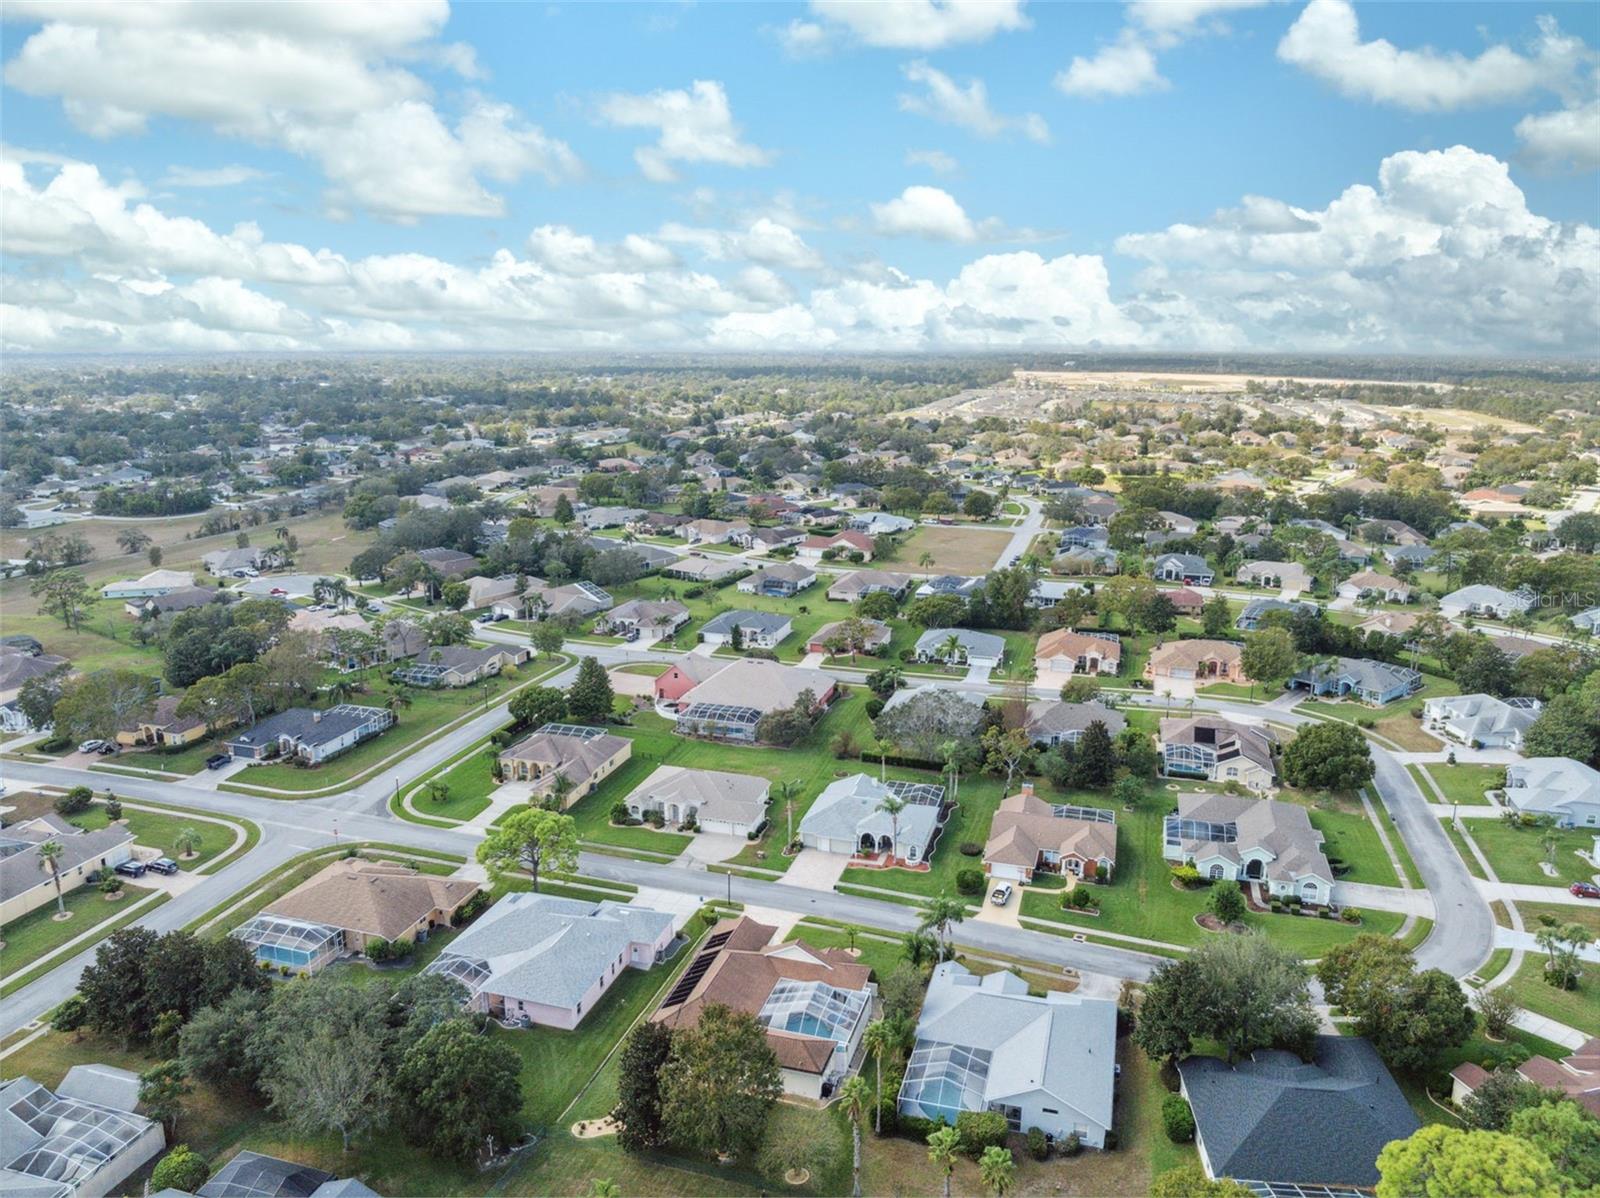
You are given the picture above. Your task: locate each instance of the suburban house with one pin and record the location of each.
(861, 583)
(608, 517)
(1388, 623)
(1287, 576)
(847, 542)
(535, 959)
(1085, 536)
(450, 666)
(1187, 602)
(878, 634)
(1577, 1076)
(25, 880)
(543, 601)
(682, 676)
(961, 646)
(717, 802)
(1481, 721)
(481, 591)
(781, 579)
(1200, 661)
(729, 703)
(813, 1003)
(181, 599)
(958, 585)
(1560, 787)
(1395, 532)
(164, 726)
(848, 817)
(1482, 600)
(1247, 839)
(251, 1175)
(987, 1044)
(647, 617)
(1087, 561)
(1373, 682)
(1029, 834)
(582, 755)
(308, 736)
(1380, 586)
(1067, 652)
(769, 538)
(701, 567)
(1190, 569)
(157, 582)
(1254, 612)
(1276, 1123)
(340, 909)
(1052, 722)
(747, 629)
(220, 562)
(450, 563)
(1218, 750)
(17, 667)
(876, 524)
(712, 532)
(81, 1140)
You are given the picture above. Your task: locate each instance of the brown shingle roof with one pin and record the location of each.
(375, 898)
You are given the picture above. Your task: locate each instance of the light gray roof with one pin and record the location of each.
(21, 868)
(848, 809)
(735, 798)
(759, 621)
(1551, 784)
(973, 644)
(1061, 1043)
(764, 685)
(1482, 716)
(1362, 673)
(103, 1084)
(543, 949)
(1283, 829)
(1052, 715)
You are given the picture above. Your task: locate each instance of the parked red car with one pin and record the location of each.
(1585, 890)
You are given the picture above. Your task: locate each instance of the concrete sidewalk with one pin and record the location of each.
(1528, 943)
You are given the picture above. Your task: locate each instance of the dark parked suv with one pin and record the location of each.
(217, 760)
(131, 869)
(162, 865)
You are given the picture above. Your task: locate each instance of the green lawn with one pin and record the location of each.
(1578, 1008)
(470, 780)
(155, 830)
(1463, 784)
(1141, 900)
(1588, 916)
(1516, 852)
(1348, 835)
(880, 955)
(1394, 722)
(37, 933)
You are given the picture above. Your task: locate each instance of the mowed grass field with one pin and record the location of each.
(955, 549)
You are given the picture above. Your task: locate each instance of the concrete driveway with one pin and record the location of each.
(815, 870)
(713, 846)
(977, 675)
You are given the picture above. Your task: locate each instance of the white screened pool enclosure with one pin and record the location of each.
(279, 941)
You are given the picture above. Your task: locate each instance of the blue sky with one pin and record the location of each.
(917, 174)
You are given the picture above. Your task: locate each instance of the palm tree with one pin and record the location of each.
(187, 842)
(939, 915)
(892, 805)
(341, 593)
(924, 559)
(560, 787)
(917, 947)
(855, 1095)
(878, 1039)
(397, 699)
(997, 1169)
(950, 649)
(50, 857)
(943, 1143)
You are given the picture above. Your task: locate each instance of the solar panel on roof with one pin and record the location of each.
(691, 977)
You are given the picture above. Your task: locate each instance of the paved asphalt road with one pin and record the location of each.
(1460, 941)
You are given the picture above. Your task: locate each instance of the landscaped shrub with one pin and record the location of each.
(1186, 875)
(969, 881)
(113, 808)
(1072, 1145)
(620, 813)
(380, 950)
(70, 1015)
(1177, 1118)
(874, 708)
(755, 833)
(470, 909)
(970, 848)
(1038, 1146)
(75, 802)
(977, 1130)
(655, 819)
(1352, 915)
(181, 1169)
(1080, 899)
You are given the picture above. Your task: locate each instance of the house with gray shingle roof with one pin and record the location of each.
(1373, 682)
(1276, 1120)
(1560, 787)
(1250, 840)
(987, 1044)
(538, 959)
(1481, 721)
(718, 801)
(848, 817)
(961, 646)
(754, 629)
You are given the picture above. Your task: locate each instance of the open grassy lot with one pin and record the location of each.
(1393, 723)
(470, 782)
(1588, 915)
(955, 550)
(1516, 852)
(1578, 1008)
(1463, 784)
(1348, 835)
(1142, 901)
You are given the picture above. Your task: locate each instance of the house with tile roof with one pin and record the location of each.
(536, 959)
(813, 1003)
(1200, 661)
(1066, 651)
(1577, 1076)
(1274, 1120)
(987, 1044)
(584, 756)
(1028, 835)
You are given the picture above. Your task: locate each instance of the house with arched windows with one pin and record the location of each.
(1250, 840)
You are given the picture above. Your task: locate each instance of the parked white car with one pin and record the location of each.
(1001, 894)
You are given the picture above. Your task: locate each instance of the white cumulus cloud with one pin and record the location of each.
(1126, 67)
(921, 211)
(905, 24)
(696, 125)
(945, 100)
